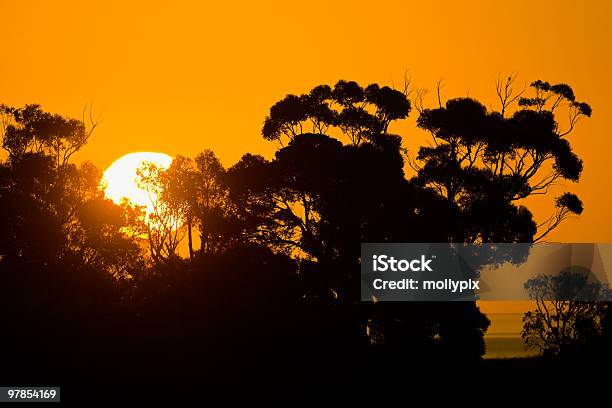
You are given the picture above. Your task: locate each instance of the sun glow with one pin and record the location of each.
(120, 180)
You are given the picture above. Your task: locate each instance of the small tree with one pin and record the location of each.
(179, 192)
(212, 207)
(164, 223)
(568, 311)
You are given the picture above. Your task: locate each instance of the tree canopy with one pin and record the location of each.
(278, 266)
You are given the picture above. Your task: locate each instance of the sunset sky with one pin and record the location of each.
(179, 77)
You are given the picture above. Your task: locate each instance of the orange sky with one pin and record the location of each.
(186, 75)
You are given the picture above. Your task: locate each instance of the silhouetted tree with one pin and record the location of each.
(46, 199)
(216, 220)
(569, 311)
(179, 190)
(361, 114)
(107, 238)
(31, 130)
(319, 199)
(486, 161)
(164, 222)
(275, 284)
(64, 256)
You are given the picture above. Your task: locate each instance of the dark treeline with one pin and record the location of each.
(92, 292)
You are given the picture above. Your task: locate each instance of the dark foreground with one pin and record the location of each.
(295, 377)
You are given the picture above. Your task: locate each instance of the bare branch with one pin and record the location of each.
(439, 86)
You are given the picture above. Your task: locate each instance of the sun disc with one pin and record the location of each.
(120, 178)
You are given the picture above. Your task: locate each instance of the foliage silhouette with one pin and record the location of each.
(360, 113)
(87, 286)
(485, 162)
(563, 323)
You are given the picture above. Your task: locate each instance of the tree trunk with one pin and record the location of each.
(190, 239)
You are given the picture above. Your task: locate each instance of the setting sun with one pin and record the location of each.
(119, 179)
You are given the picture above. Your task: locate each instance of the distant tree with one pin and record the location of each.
(179, 191)
(164, 224)
(188, 194)
(569, 311)
(485, 161)
(198, 185)
(214, 212)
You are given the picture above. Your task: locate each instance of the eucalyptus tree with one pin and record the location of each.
(486, 161)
